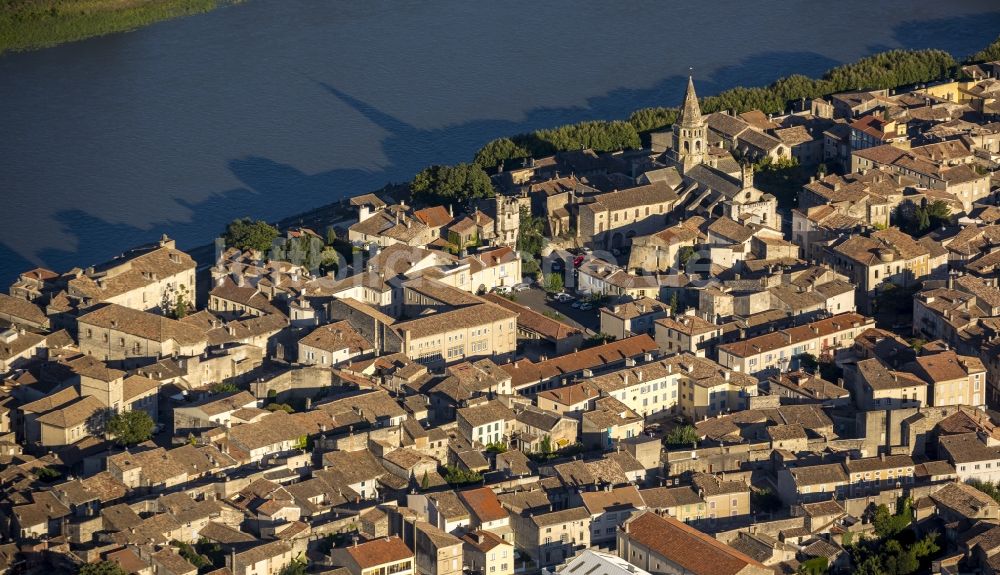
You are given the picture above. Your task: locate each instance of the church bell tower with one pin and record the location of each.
(690, 132)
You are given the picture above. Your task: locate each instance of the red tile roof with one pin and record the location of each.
(694, 551)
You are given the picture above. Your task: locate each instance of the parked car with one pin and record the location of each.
(501, 290)
(577, 261)
(587, 307)
(577, 304)
(520, 287)
(563, 297)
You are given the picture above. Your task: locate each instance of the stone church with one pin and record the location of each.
(715, 183)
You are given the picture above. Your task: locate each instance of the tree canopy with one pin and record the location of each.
(102, 568)
(131, 427)
(451, 184)
(685, 435)
(499, 150)
(554, 282)
(987, 54)
(245, 234)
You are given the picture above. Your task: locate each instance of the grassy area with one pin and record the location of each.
(30, 24)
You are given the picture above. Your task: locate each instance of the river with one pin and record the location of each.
(270, 107)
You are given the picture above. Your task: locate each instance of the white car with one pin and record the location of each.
(519, 287)
(502, 290)
(563, 297)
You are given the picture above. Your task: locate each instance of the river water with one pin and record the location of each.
(270, 107)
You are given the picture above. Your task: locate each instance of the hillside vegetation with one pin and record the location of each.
(29, 24)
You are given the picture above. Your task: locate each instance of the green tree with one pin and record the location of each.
(685, 435)
(808, 362)
(181, 307)
(331, 235)
(650, 119)
(685, 255)
(530, 233)
(102, 568)
(923, 219)
(814, 566)
(245, 234)
(425, 481)
(192, 556)
(545, 446)
(131, 427)
(296, 567)
(329, 259)
(458, 476)
(223, 387)
(451, 184)
(888, 524)
(938, 213)
(988, 487)
(673, 303)
(554, 283)
(599, 136)
(46, 474)
(499, 150)
(987, 54)
(496, 447)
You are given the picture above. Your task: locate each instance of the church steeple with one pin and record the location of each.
(691, 112)
(689, 141)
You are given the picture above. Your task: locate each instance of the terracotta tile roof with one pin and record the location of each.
(730, 229)
(878, 463)
(485, 413)
(142, 324)
(569, 395)
(73, 413)
(483, 540)
(688, 324)
(695, 552)
(23, 310)
(483, 503)
(526, 371)
(136, 385)
(217, 405)
(668, 497)
(337, 336)
(967, 448)
(885, 154)
(786, 337)
(948, 365)
(963, 498)
(91, 367)
(531, 320)
(433, 216)
(879, 377)
(455, 319)
(138, 268)
(819, 474)
(246, 295)
(379, 552)
(597, 502)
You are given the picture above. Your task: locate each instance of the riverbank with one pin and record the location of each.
(34, 24)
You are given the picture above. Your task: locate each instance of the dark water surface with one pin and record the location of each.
(270, 107)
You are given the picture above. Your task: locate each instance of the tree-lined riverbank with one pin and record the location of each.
(32, 24)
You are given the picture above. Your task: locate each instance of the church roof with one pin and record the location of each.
(691, 111)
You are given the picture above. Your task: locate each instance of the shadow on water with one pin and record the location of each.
(273, 190)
